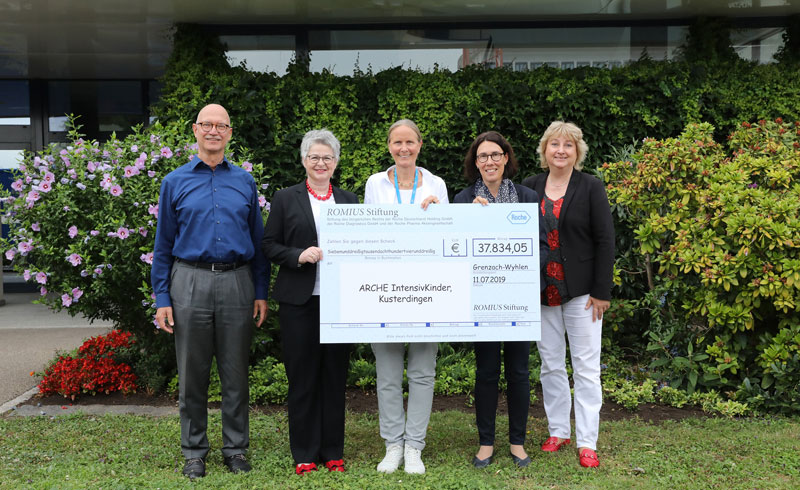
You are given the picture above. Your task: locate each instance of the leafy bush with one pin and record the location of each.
(93, 370)
(268, 382)
(672, 397)
(644, 99)
(82, 222)
(717, 231)
(362, 373)
(628, 393)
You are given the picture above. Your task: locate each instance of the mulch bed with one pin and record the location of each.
(367, 402)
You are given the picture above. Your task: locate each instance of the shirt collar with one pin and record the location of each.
(195, 163)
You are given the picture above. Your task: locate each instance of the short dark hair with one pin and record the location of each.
(471, 171)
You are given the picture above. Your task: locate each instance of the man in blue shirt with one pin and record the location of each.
(210, 281)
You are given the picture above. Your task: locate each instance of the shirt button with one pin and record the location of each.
(217, 221)
(216, 205)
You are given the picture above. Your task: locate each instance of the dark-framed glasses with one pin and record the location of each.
(221, 127)
(495, 156)
(326, 159)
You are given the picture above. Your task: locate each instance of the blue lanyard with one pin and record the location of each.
(397, 187)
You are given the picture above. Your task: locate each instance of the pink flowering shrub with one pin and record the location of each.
(83, 217)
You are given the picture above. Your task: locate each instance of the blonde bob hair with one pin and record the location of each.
(403, 122)
(567, 130)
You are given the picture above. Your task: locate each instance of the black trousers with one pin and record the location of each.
(487, 377)
(317, 378)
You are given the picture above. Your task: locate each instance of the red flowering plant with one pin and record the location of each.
(93, 370)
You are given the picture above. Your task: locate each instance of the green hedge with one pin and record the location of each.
(618, 106)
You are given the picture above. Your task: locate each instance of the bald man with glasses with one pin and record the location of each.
(210, 283)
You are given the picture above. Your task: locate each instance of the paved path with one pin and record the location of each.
(30, 335)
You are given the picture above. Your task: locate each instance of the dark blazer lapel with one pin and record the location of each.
(339, 196)
(574, 182)
(305, 206)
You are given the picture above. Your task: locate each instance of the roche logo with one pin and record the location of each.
(518, 217)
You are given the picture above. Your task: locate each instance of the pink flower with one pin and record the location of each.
(33, 196)
(17, 185)
(24, 247)
(66, 300)
(107, 181)
(166, 152)
(98, 270)
(94, 232)
(247, 166)
(143, 231)
(153, 210)
(91, 167)
(26, 274)
(147, 258)
(151, 173)
(49, 177)
(123, 232)
(73, 231)
(115, 190)
(134, 149)
(43, 290)
(45, 186)
(154, 138)
(75, 259)
(76, 294)
(10, 253)
(35, 227)
(130, 171)
(262, 201)
(41, 278)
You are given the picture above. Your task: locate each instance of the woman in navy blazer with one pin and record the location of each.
(489, 165)
(578, 278)
(317, 372)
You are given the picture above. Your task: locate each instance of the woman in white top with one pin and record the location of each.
(405, 183)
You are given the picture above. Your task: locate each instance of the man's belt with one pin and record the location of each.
(214, 267)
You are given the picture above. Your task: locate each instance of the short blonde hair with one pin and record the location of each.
(403, 122)
(563, 129)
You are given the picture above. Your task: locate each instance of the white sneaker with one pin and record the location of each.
(392, 460)
(413, 459)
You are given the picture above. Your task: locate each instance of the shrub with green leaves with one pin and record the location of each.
(82, 220)
(717, 228)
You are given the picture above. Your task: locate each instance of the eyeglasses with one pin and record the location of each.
(314, 159)
(221, 127)
(496, 157)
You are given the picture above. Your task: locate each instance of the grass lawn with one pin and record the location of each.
(81, 451)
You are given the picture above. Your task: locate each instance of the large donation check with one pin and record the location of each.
(451, 273)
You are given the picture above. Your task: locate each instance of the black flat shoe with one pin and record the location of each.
(481, 463)
(194, 468)
(521, 463)
(237, 463)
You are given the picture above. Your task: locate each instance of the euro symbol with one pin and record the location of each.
(454, 248)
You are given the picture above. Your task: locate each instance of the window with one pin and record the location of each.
(15, 107)
(261, 53)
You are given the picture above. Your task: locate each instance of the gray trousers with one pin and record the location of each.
(397, 427)
(213, 313)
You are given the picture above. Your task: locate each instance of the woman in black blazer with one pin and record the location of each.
(578, 277)
(489, 165)
(317, 372)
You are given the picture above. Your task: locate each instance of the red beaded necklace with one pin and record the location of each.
(317, 196)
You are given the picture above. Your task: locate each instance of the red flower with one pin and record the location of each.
(552, 239)
(553, 298)
(557, 207)
(555, 270)
(542, 206)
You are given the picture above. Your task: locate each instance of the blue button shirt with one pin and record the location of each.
(208, 215)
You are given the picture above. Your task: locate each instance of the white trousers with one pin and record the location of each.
(584, 346)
